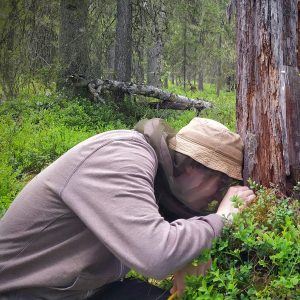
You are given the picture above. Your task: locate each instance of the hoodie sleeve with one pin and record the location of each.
(112, 192)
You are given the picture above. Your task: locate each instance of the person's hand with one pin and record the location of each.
(227, 207)
(179, 277)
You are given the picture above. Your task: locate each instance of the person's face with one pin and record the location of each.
(198, 185)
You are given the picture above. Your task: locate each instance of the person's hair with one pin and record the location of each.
(181, 161)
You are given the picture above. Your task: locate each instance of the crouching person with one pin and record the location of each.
(125, 199)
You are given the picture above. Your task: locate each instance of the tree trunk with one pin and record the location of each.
(9, 68)
(123, 53)
(155, 55)
(43, 37)
(268, 91)
(219, 69)
(184, 55)
(172, 78)
(166, 81)
(200, 80)
(154, 63)
(73, 41)
(42, 42)
(123, 41)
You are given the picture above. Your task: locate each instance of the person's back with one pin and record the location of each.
(45, 247)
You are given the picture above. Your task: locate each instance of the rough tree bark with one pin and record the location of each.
(155, 55)
(268, 91)
(154, 63)
(42, 35)
(9, 68)
(139, 33)
(73, 40)
(123, 44)
(123, 41)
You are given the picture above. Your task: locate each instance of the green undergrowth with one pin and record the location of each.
(258, 255)
(35, 130)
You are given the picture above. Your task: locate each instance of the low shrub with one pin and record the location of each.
(258, 255)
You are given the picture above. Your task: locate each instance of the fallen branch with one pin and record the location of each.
(169, 100)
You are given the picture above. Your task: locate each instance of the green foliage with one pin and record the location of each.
(258, 256)
(223, 106)
(36, 130)
(202, 29)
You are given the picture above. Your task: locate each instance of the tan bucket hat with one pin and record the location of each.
(211, 144)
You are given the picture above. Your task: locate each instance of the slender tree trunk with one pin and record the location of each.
(155, 55)
(219, 69)
(166, 82)
(200, 80)
(184, 55)
(123, 46)
(43, 37)
(8, 65)
(268, 91)
(172, 78)
(154, 63)
(73, 40)
(123, 41)
(42, 42)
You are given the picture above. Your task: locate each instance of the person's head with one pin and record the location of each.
(208, 156)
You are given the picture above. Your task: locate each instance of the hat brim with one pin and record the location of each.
(208, 157)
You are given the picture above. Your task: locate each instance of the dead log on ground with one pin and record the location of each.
(168, 100)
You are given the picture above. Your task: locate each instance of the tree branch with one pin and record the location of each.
(168, 100)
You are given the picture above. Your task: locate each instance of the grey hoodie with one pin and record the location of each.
(91, 216)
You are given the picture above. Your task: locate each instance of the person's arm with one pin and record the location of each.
(112, 193)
